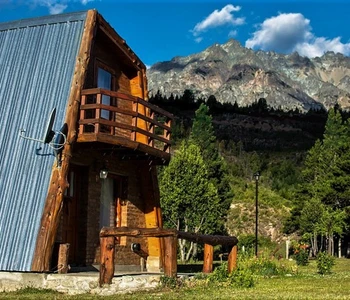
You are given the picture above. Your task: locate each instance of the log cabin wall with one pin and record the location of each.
(108, 55)
(132, 212)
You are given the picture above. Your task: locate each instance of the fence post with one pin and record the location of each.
(170, 256)
(232, 259)
(208, 258)
(107, 259)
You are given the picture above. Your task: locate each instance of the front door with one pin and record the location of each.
(74, 212)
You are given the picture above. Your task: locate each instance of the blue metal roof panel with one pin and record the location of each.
(37, 64)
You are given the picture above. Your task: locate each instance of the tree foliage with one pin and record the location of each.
(203, 136)
(189, 200)
(325, 193)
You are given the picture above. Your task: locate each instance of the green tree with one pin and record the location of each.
(326, 185)
(203, 135)
(188, 199)
(332, 222)
(311, 221)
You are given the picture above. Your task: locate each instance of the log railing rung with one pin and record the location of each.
(170, 237)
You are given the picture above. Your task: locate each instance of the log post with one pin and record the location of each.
(58, 183)
(170, 257)
(232, 259)
(63, 254)
(107, 260)
(208, 258)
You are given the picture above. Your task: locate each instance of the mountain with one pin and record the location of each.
(233, 73)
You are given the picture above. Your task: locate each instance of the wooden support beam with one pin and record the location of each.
(232, 259)
(140, 232)
(107, 260)
(208, 258)
(63, 254)
(208, 239)
(59, 183)
(170, 259)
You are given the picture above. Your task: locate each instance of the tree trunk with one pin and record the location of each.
(195, 251)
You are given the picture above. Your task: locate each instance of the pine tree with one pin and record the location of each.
(203, 135)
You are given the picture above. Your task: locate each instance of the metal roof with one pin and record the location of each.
(37, 61)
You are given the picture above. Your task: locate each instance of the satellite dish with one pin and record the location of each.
(49, 133)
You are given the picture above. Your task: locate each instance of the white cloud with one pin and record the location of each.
(56, 6)
(292, 32)
(232, 33)
(318, 46)
(219, 18)
(198, 39)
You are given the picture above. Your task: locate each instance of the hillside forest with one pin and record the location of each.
(304, 184)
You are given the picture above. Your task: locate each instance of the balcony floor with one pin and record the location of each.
(158, 156)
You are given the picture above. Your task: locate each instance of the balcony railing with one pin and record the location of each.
(119, 118)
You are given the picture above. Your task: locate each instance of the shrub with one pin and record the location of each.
(325, 263)
(301, 254)
(242, 278)
(220, 273)
(169, 282)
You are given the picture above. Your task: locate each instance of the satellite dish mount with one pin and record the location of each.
(48, 134)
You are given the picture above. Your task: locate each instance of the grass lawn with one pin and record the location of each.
(307, 284)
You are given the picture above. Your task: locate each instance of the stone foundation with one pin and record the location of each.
(77, 283)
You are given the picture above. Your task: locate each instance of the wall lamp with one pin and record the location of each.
(103, 173)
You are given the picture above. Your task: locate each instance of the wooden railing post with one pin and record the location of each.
(208, 258)
(82, 114)
(107, 259)
(170, 256)
(232, 259)
(98, 112)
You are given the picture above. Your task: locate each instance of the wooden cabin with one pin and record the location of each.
(99, 169)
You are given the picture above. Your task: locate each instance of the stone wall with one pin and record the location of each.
(73, 284)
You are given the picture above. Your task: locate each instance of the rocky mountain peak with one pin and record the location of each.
(233, 73)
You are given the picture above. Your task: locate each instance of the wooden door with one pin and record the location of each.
(72, 205)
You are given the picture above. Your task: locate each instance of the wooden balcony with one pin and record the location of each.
(128, 121)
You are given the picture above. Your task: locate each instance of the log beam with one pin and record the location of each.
(59, 183)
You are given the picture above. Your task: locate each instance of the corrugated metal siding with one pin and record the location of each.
(37, 61)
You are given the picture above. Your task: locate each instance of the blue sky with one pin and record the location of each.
(160, 30)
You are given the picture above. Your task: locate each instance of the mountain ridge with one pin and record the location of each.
(233, 73)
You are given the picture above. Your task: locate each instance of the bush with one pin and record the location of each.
(169, 282)
(242, 278)
(301, 254)
(325, 263)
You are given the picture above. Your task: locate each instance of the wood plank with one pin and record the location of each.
(110, 108)
(124, 126)
(208, 258)
(137, 232)
(152, 135)
(156, 108)
(58, 184)
(155, 122)
(232, 259)
(107, 248)
(120, 43)
(117, 140)
(208, 239)
(170, 256)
